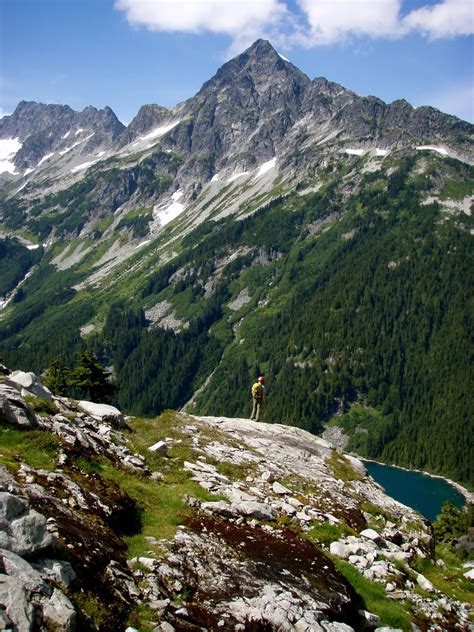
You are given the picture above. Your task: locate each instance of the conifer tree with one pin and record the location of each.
(90, 377)
(57, 378)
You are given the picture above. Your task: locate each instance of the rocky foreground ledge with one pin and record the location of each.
(271, 524)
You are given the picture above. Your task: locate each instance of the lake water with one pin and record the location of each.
(423, 493)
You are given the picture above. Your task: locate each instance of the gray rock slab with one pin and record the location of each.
(254, 509)
(31, 384)
(424, 583)
(58, 613)
(371, 534)
(221, 508)
(103, 412)
(280, 489)
(161, 447)
(13, 408)
(17, 603)
(12, 507)
(28, 534)
(16, 566)
(59, 571)
(339, 550)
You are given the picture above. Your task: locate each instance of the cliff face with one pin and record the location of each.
(187, 523)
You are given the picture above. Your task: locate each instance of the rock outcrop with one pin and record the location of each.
(251, 554)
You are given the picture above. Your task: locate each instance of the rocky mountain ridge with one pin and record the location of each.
(250, 551)
(257, 107)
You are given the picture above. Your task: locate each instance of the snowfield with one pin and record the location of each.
(171, 212)
(159, 131)
(439, 150)
(45, 158)
(84, 165)
(8, 150)
(267, 166)
(65, 151)
(237, 175)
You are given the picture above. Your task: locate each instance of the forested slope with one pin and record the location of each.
(357, 303)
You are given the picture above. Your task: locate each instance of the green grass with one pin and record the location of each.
(379, 515)
(341, 468)
(391, 613)
(41, 406)
(324, 533)
(141, 617)
(37, 448)
(449, 579)
(92, 606)
(456, 190)
(162, 505)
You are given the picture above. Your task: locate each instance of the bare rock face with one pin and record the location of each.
(103, 412)
(13, 408)
(240, 575)
(29, 383)
(245, 559)
(24, 530)
(63, 529)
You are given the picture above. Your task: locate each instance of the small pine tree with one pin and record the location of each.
(90, 377)
(57, 378)
(452, 522)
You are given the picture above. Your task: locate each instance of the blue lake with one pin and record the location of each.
(423, 493)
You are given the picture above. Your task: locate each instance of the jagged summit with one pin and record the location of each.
(255, 69)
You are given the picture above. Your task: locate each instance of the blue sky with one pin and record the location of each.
(124, 53)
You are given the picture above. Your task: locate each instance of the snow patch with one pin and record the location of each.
(284, 58)
(215, 178)
(28, 171)
(171, 212)
(78, 131)
(160, 131)
(236, 176)
(144, 243)
(65, 151)
(381, 152)
(355, 152)
(84, 165)
(67, 134)
(266, 167)
(45, 158)
(8, 150)
(33, 247)
(436, 148)
(101, 153)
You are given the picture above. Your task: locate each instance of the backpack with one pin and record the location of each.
(257, 391)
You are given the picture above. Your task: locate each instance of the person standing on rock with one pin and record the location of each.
(258, 398)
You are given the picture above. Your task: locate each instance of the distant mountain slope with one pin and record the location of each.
(269, 223)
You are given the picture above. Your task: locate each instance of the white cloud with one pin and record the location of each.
(445, 19)
(333, 21)
(307, 22)
(230, 17)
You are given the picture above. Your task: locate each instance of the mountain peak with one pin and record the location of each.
(258, 64)
(260, 47)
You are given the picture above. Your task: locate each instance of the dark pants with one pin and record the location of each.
(256, 408)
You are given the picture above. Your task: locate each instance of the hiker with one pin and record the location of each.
(258, 397)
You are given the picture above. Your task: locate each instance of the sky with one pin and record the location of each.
(125, 53)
